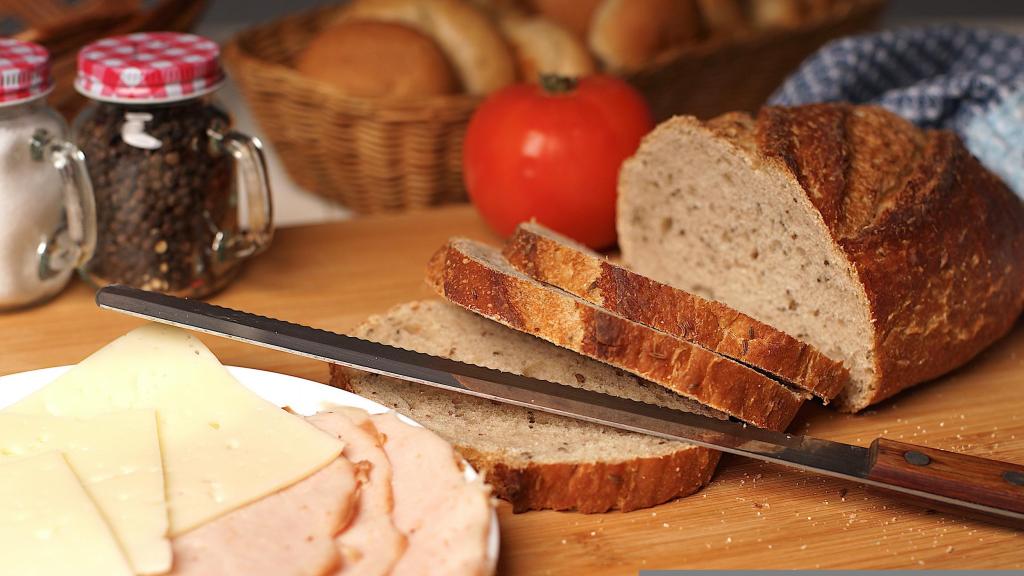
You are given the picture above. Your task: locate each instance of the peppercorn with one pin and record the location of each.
(163, 192)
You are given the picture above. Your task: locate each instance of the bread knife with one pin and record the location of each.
(938, 479)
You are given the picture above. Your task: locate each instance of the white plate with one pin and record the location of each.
(303, 396)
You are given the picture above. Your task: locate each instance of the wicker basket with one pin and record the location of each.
(65, 26)
(381, 155)
(369, 155)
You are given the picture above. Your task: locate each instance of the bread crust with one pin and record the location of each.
(596, 487)
(591, 487)
(712, 325)
(465, 34)
(935, 238)
(525, 305)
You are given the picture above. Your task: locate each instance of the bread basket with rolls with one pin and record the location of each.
(345, 125)
(367, 102)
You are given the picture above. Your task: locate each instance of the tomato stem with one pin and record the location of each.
(557, 84)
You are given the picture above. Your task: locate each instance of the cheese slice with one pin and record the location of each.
(117, 459)
(48, 524)
(223, 446)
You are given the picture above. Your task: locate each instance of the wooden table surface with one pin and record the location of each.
(752, 515)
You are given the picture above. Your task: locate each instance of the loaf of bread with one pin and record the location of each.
(532, 459)
(477, 277)
(378, 59)
(884, 246)
(554, 259)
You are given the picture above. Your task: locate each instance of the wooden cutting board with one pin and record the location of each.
(751, 516)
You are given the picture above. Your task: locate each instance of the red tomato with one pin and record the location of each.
(534, 151)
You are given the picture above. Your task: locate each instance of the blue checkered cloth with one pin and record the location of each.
(963, 79)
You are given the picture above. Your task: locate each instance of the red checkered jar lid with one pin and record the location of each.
(25, 69)
(149, 68)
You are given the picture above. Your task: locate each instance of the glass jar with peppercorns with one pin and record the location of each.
(181, 199)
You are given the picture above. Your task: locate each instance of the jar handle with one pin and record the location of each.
(255, 207)
(73, 242)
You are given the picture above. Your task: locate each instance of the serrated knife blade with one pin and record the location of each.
(820, 456)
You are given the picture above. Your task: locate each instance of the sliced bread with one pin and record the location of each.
(889, 248)
(532, 459)
(477, 277)
(554, 259)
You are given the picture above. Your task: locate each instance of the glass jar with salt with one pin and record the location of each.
(47, 211)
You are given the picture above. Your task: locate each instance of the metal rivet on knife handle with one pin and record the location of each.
(1014, 477)
(917, 458)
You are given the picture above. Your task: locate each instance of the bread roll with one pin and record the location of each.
(774, 13)
(470, 40)
(378, 59)
(815, 9)
(543, 47)
(573, 15)
(494, 7)
(628, 34)
(721, 17)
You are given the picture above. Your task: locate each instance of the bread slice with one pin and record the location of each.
(886, 247)
(532, 459)
(477, 277)
(554, 259)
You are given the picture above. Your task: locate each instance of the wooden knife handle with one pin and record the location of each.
(969, 478)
